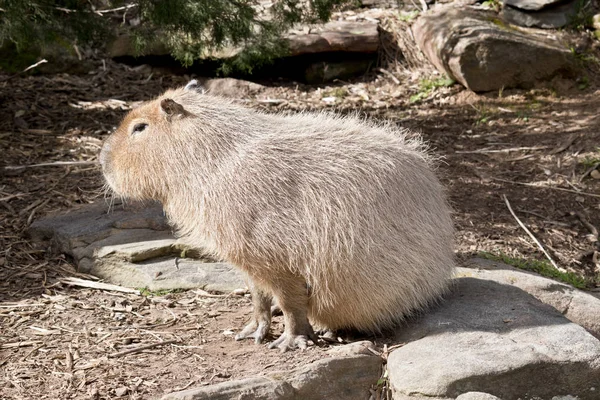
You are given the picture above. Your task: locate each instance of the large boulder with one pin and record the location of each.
(483, 53)
(531, 13)
(495, 339)
(531, 5)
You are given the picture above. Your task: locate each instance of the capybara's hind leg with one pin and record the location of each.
(258, 328)
(292, 297)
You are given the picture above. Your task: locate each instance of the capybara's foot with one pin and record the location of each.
(290, 341)
(256, 330)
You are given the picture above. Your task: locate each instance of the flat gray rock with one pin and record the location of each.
(578, 306)
(477, 396)
(497, 339)
(530, 5)
(339, 378)
(132, 246)
(484, 53)
(553, 17)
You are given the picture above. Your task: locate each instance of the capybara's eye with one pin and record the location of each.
(138, 128)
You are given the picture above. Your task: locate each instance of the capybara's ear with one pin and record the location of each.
(170, 108)
(195, 86)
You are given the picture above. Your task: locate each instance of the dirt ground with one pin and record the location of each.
(537, 147)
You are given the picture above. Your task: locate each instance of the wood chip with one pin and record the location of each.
(98, 285)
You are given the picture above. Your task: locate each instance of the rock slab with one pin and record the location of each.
(484, 53)
(335, 36)
(132, 246)
(554, 17)
(531, 5)
(495, 339)
(580, 307)
(338, 378)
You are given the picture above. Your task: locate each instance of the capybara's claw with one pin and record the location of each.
(289, 341)
(254, 330)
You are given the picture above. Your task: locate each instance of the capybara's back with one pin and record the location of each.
(342, 220)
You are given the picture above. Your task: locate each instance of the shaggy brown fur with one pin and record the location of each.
(343, 221)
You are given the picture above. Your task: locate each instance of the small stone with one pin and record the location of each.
(122, 391)
(477, 396)
(364, 347)
(595, 174)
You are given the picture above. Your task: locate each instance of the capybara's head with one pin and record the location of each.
(137, 159)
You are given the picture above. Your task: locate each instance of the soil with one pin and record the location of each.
(537, 147)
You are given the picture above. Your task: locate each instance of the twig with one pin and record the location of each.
(565, 145)
(21, 344)
(25, 70)
(51, 164)
(500, 150)
(103, 338)
(30, 218)
(13, 196)
(98, 285)
(546, 187)
(35, 65)
(65, 10)
(271, 101)
(521, 158)
(141, 348)
(531, 235)
(589, 171)
(21, 305)
(79, 56)
(204, 293)
(99, 12)
(589, 226)
(392, 77)
(127, 7)
(32, 351)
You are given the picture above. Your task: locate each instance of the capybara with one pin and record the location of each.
(343, 221)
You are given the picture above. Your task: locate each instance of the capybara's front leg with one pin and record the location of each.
(292, 297)
(258, 328)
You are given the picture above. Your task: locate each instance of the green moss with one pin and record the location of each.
(590, 161)
(427, 86)
(502, 24)
(162, 292)
(408, 16)
(493, 5)
(541, 267)
(339, 92)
